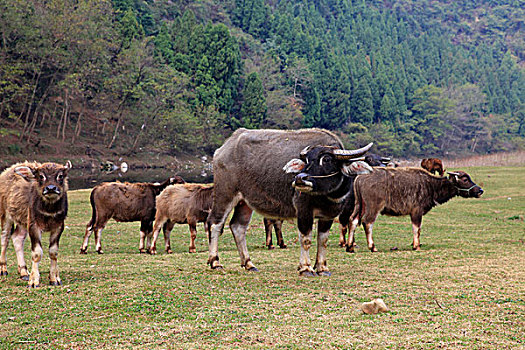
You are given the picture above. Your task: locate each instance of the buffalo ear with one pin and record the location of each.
(357, 168)
(26, 172)
(295, 166)
(68, 167)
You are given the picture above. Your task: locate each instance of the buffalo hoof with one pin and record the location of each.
(142, 251)
(271, 247)
(325, 273)
(83, 251)
(253, 269)
(191, 251)
(24, 278)
(217, 267)
(284, 246)
(100, 251)
(307, 273)
(55, 283)
(350, 249)
(33, 286)
(3, 273)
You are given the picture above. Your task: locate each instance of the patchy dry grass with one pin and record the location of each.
(464, 290)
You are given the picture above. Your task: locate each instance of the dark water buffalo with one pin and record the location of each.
(404, 191)
(181, 204)
(124, 202)
(33, 197)
(277, 225)
(433, 165)
(248, 175)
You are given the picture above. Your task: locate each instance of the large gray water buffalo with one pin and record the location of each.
(257, 170)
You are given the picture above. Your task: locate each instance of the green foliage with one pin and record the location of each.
(253, 110)
(417, 78)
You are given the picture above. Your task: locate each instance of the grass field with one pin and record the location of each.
(464, 290)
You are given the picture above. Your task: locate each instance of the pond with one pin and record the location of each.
(88, 178)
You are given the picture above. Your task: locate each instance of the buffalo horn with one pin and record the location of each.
(347, 154)
(304, 151)
(452, 173)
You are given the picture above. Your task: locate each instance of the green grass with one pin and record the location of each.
(464, 290)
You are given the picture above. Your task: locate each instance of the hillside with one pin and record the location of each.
(147, 78)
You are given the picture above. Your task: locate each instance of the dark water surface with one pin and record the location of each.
(88, 178)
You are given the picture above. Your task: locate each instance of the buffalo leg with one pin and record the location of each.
(323, 231)
(54, 238)
(168, 226)
(145, 227)
(278, 226)
(19, 237)
(7, 229)
(238, 225)
(89, 231)
(342, 235)
(268, 230)
(98, 240)
(350, 243)
(222, 206)
(36, 254)
(416, 231)
(305, 238)
(193, 236)
(368, 231)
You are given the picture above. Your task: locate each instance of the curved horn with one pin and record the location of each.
(453, 173)
(304, 151)
(347, 154)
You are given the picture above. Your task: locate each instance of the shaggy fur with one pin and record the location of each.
(33, 197)
(404, 191)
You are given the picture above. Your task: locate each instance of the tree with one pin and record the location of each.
(253, 110)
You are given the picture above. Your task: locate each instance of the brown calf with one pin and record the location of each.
(277, 225)
(33, 197)
(433, 165)
(181, 204)
(124, 202)
(404, 191)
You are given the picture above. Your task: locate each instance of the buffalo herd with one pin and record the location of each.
(301, 175)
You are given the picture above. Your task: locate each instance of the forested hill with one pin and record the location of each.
(131, 77)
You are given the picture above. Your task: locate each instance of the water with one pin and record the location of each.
(88, 178)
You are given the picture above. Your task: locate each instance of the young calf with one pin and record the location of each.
(124, 202)
(404, 191)
(181, 204)
(33, 197)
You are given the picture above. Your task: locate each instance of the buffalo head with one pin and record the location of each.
(322, 169)
(50, 179)
(464, 184)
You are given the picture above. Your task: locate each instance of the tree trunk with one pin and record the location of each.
(30, 105)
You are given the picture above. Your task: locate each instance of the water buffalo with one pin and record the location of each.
(248, 175)
(124, 202)
(433, 165)
(373, 159)
(181, 204)
(33, 197)
(404, 191)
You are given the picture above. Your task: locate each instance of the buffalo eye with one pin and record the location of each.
(42, 177)
(60, 177)
(325, 159)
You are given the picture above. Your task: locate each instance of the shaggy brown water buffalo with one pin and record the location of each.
(248, 175)
(404, 191)
(433, 165)
(33, 197)
(181, 204)
(277, 225)
(124, 202)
